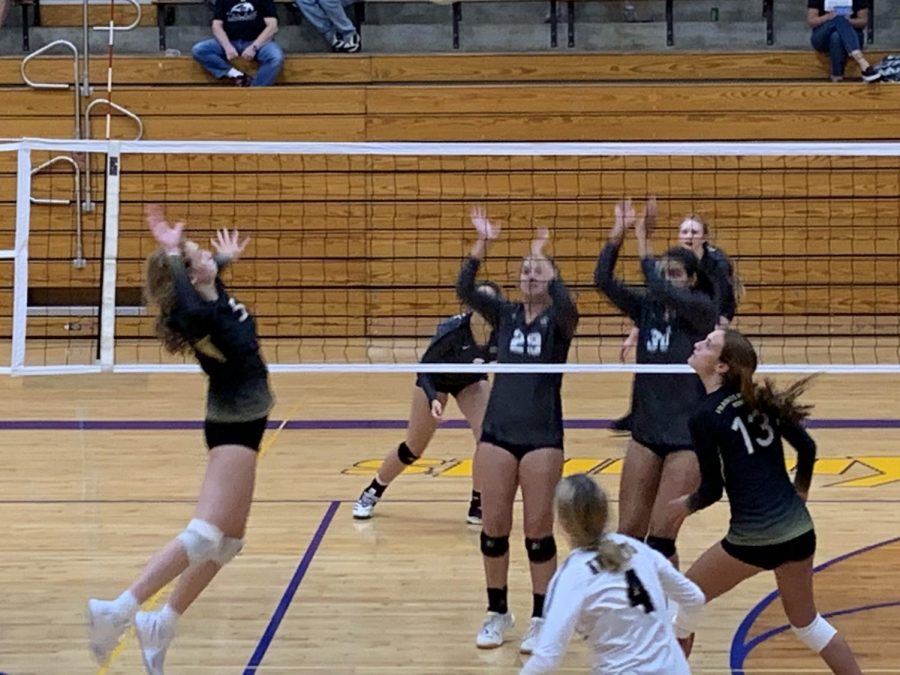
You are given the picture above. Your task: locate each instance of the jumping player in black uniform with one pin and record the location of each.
(197, 315)
(694, 234)
(676, 309)
(454, 342)
(738, 432)
(522, 435)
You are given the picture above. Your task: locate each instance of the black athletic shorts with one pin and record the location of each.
(248, 434)
(517, 450)
(662, 450)
(451, 387)
(774, 555)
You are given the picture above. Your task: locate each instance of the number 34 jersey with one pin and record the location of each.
(623, 614)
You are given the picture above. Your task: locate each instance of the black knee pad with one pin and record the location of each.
(663, 545)
(540, 550)
(405, 455)
(494, 547)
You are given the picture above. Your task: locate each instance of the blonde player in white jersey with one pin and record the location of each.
(613, 589)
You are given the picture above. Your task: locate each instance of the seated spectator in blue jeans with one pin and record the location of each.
(242, 28)
(329, 18)
(838, 31)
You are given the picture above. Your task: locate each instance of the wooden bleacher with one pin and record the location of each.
(354, 252)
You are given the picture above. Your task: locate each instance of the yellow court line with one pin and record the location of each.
(151, 603)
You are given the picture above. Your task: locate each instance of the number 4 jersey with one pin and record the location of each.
(622, 614)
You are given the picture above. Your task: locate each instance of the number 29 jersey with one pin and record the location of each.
(525, 408)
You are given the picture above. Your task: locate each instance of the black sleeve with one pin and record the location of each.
(696, 307)
(219, 11)
(564, 307)
(805, 446)
(427, 383)
(626, 298)
(267, 9)
(722, 279)
(193, 312)
(815, 4)
(703, 427)
(489, 307)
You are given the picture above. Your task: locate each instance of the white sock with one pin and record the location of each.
(126, 605)
(234, 72)
(168, 617)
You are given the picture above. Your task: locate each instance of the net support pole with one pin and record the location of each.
(20, 270)
(110, 258)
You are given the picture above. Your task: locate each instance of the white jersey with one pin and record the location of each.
(623, 614)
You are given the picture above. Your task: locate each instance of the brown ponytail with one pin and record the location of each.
(740, 357)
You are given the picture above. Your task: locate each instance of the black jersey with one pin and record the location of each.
(670, 321)
(740, 450)
(524, 408)
(720, 270)
(222, 334)
(453, 342)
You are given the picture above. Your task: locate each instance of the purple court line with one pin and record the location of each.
(290, 591)
(741, 648)
(355, 424)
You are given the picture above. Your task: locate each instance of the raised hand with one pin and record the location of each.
(624, 219)
(541, 237)
(486, 229)
(228, 244)
(644, 225)
(168, 236)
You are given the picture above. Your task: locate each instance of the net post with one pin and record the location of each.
(110, 258)
(20, 270)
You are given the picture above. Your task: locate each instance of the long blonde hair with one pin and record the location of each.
(583, 511)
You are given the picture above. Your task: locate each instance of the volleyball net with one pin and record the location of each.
(356, 247)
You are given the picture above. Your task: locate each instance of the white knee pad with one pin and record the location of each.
(228, 549)
(201, 541)
(816, 635)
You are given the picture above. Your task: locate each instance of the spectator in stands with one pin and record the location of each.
(331, 20)
(837, 30)
(242, 28)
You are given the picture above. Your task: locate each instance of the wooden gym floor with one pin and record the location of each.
(99, 471)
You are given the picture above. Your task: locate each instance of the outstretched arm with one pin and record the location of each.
(563, 305)
(626, 298)
(169, 237)
(488, 306)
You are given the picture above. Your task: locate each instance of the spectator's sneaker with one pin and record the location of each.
(493, 630)
(241, 81)
(362, 509)
(154, 638)
(349, 44)
(870, 74)
(474, 515)
(529, 642)
(105, 627)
